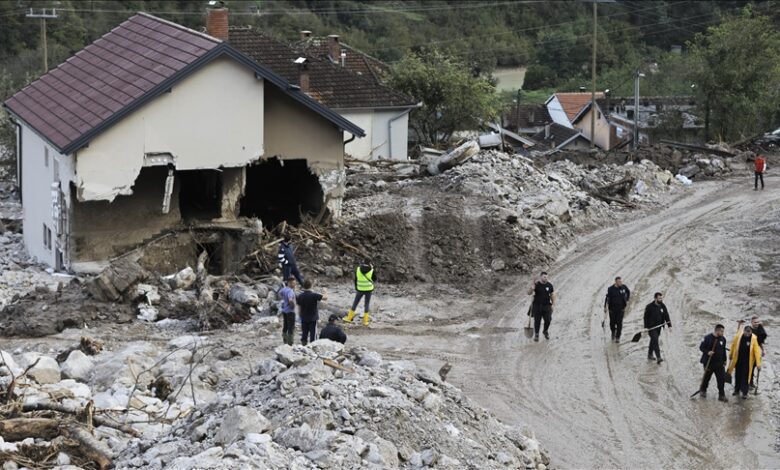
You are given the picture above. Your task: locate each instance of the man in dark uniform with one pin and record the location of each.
(656, 315)
(713, 358)
(543, 304)
(332, 330)
(760, 332)
(616, 301)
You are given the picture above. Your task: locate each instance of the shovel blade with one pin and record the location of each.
(529, 332)
(636, 337)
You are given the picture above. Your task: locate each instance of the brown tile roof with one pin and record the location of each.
(572, 103)
(122, 70)
(106, 76)
(558, 135)
(529, 115)
(330, 84)
(356, 60)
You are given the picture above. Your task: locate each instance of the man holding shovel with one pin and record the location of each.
(656, 316)
(616, 301)
(543, 304)
(713, 358)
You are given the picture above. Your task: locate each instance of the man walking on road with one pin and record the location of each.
(287, 297)
(616, 301)
(543, 304)
(760, 169)
(308, 301)
(656, 316)
(745, 354)
(713, 358)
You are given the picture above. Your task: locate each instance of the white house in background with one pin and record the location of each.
(355, 93)
(155, 127)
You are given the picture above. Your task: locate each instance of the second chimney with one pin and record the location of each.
(303, 74)
(217, 23)
(305, 35)
(334, 48)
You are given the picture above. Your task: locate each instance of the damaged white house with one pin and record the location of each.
(156, 127)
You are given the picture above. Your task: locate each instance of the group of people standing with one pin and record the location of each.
(743, 358)
(306, 302)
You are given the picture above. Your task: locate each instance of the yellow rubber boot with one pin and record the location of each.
(350, 316)
(365, 319)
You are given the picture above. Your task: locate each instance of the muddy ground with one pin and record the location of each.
(597, 404)
(592, 404)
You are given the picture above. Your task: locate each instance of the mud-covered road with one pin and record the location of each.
(595, 404)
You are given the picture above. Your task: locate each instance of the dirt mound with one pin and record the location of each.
(44, 312)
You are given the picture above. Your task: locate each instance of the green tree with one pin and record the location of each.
(736, 69)
(453, 98)
(539, 76)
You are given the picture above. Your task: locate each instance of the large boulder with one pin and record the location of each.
(243, 295)
(46, 369)
(116, 279)
(78, 366)
(240, 421)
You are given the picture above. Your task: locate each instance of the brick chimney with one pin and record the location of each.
(217, 23)
(305, 35)
(334, 48)
(303, 74)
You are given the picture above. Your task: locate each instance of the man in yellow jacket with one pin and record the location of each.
(745, 354)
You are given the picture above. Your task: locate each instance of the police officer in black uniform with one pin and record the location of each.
(616, 301)
(544, 302)
(713, 358)
(656, 315)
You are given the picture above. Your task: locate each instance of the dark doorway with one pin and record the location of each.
(200, 194)
(279, 191)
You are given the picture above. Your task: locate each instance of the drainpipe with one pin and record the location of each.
(19, 158)
(390, 127)
(350, 139)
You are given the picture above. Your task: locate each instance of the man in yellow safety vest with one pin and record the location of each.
(364, 285)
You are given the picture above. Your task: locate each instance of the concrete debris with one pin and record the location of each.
(184, 279)
(116, 279)
(242, 294)
(457, 157)
(367, 418)
(78, 366)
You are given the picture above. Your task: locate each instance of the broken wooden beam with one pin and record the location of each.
(18, 429)
(700, 148)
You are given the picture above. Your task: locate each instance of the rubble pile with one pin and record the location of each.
(325, 407)
(702, 162)
(493, 212)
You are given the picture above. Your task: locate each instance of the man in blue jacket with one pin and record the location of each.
(713, 358)
(287, 260)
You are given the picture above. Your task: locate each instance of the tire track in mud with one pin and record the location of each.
(596, 404)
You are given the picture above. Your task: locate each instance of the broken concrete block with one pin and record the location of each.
(243, 295)
(78, 366)
(184, 279)
(240, 421)
(147, 313)
(148, 293)
(497, 265)
(46, 370)
(116, 279)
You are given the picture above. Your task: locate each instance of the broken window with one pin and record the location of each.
(279, 191)
(200, 194)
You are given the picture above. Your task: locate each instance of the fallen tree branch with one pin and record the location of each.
(17, 429)
(80, 413)
(607, 198)
(90, 447)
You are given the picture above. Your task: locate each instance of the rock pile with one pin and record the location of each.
(325, 407)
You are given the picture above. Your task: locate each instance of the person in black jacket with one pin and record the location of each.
(286, 258)
(332, 331)
(656, 315)
(543, 304)
(713, 358)
(616, 301)
(760, 332)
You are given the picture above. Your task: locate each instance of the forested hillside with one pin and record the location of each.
(552, 38)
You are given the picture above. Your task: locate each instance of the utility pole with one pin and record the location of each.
(43, 14)
(637, 76)
(593, 81)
